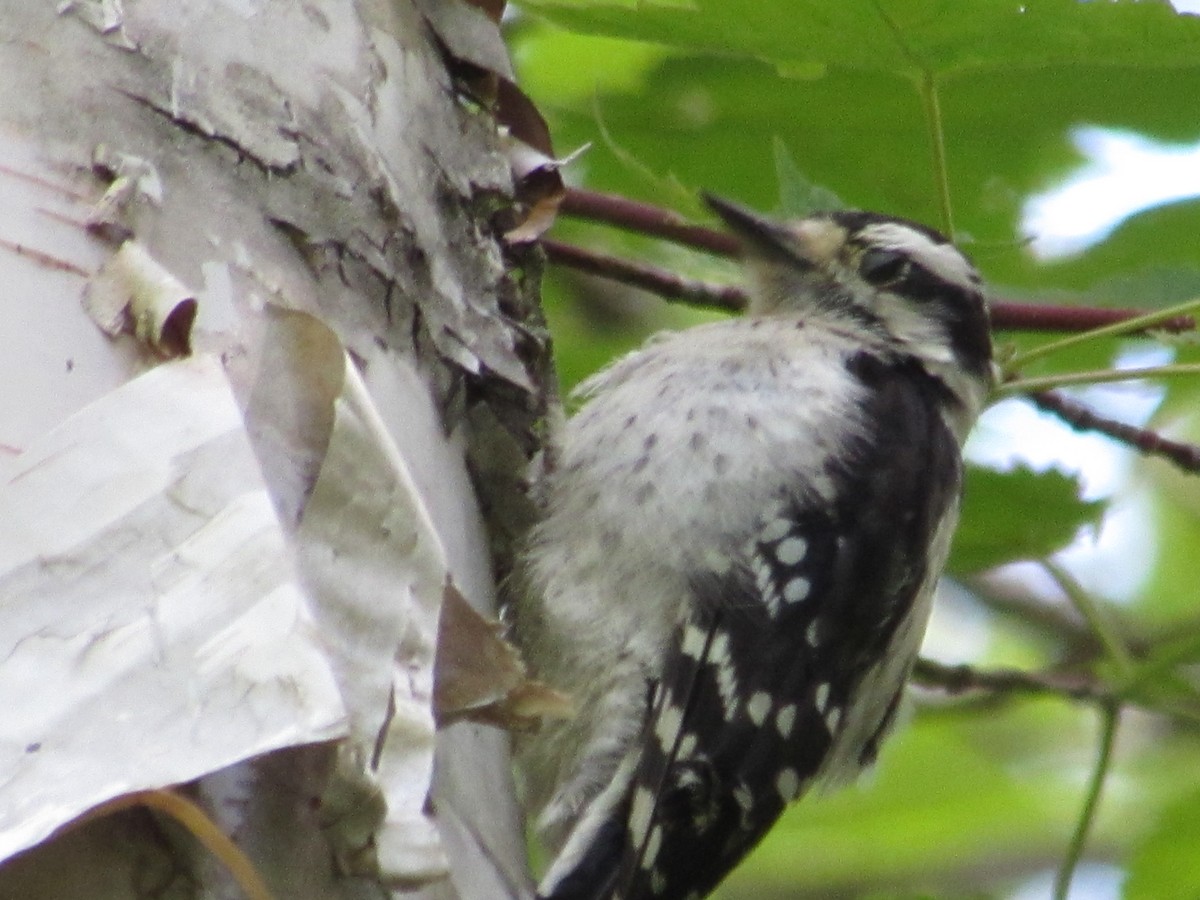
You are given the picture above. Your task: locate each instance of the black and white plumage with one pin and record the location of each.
(739, 549)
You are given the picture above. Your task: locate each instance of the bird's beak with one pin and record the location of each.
(759, 235)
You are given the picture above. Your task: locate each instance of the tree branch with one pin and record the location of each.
(644, 218)
(1108, 732)
(1149, 443)
(655, 221)
(665, 284)
(962, 679)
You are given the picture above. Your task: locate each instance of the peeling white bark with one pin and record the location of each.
(256, 158)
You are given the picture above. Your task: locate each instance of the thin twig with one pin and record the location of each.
(1142, 321)
(196, 821)
(1011, 596)
(1096, 376)
(1154, 652)
(1149, 443)
(1108, 733)
(1177, 644)
(669, 286)
(958, 680)
(645, 218)
(658, 281)
(1008, 315)
(1096, 616)
(659, 222)
(931, 103)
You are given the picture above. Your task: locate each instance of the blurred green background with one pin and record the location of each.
(779, 103)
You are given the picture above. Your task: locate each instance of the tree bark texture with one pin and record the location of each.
(270, 380)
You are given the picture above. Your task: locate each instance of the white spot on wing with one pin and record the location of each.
(727, 687)
(687, 746)
(832, 718)
(718, 652)
(785, 720)
(813, 633)
(762, 576)
(791, 551)
(796, 590)
(822, 697)
(743, 797)
(653, 845)
(745, 802)
(758, 707)
(822, 484)
(766, 587)
(788, 785)
(640, 810)
(693, 641)
(666, 729)
(718, 657)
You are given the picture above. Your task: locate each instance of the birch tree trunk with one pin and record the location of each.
(262, 355)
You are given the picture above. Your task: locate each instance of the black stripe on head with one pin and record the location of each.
(963, 312)
(854, 221)
(934, 275)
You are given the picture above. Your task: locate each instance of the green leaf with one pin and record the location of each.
(711, 123)
(943, 799)
(941, 37)
(1166, 866)
(1016, 515)
(1170, 591)
(797, 195)
(568, 67)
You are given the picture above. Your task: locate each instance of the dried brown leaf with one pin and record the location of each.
(481, 677)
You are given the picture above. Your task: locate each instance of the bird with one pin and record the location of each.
(737, 550)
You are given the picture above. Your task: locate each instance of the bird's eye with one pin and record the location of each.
(880, 266)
